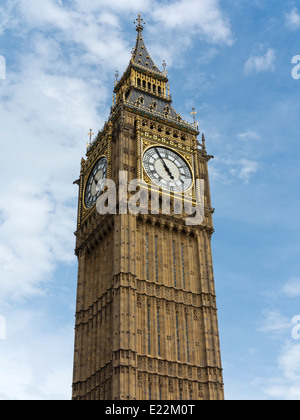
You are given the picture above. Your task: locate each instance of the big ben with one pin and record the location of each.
(146, 315)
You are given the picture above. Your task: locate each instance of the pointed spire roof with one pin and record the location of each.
(144, 88)
(140, 55)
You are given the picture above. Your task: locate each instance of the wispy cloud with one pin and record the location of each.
(292, 19)
(38, 201)
(249, 135)
(243, 168)
(287, 385)
(275, 323)
(31, 340)
(292, 288)
(261, 63)
(205, 18)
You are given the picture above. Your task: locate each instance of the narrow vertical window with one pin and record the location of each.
(174, 265)
(149, 335)
(182, 264)
(177, 331)
(156, 260)
(150, 393)
(158, 333)
(147, 255)
(187, 339)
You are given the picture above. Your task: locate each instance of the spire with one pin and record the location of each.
(140, 55)
(145, 88)
(140, 23)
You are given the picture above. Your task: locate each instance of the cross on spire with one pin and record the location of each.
(194, 113)
(90, 134)
(140, 22)
(164, 66)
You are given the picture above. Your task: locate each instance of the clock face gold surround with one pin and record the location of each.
(95, 181)
(167, 169)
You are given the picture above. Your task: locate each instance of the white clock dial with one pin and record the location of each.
(95, 182)
(167, 169)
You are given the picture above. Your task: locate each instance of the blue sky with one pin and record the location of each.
(232, 61)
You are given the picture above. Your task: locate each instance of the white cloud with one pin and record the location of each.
(36, 357)
(81, 28)
(292, 287)
(44, 140)
(287, 385)
(228, 169)
(249, 135)
(7, 17)
(191, 16)
(53, 14)
(130, 6)
(47, 106)
(244, 168)
(275, 323)
(261, 63)
(293, 19)
(247, 169)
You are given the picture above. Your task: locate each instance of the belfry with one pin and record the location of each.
(146, 314)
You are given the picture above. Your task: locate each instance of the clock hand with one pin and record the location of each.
(165, 166)
(98, 177)
(95, 184)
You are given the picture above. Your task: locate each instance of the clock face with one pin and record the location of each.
(95, 182)
(167, 169)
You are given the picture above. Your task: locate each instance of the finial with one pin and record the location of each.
(164, 66)
(117, 77)
(140, 22)
(90, 134)
(194, 113)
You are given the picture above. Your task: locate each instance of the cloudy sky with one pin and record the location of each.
(232, 61)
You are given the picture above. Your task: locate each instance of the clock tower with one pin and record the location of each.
(146, 315)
